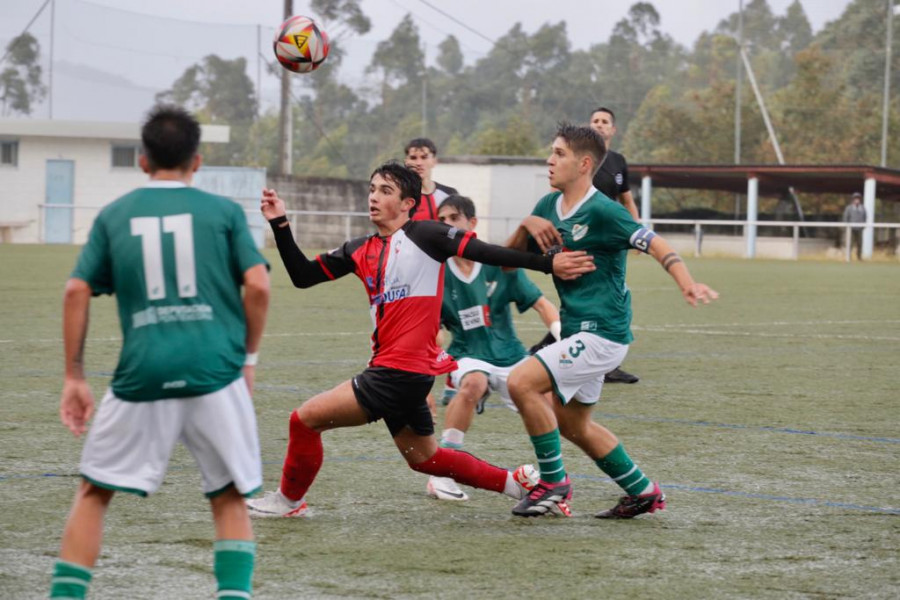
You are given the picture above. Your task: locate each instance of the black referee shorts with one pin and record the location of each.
(398, 397)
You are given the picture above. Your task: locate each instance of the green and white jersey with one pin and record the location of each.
(598, 302)
(475, 309)
(174, 257)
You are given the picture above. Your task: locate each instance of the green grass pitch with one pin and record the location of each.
(772, 419)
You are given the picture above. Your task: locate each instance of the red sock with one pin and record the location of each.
(464, 468)
(303, 460)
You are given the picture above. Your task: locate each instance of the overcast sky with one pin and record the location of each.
(99, 37)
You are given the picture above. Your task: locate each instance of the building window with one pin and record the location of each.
(9, 153)
(124, 156)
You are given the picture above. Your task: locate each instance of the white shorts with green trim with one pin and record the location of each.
(577, 365)
(129, 443)
(497, 377)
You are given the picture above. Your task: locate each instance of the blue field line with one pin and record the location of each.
(669, 486)
(770, 428)
(755, 496)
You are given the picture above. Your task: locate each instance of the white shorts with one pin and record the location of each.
(129, 443)
(497, 377)
(577, 365)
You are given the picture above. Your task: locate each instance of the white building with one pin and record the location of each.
(55, 175)
(503, 188)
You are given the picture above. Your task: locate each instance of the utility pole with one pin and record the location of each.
(737, 86)
(737, 102)
(886, 105)
(285, 122)
(258, 70)
(424, 91)
(50, 74)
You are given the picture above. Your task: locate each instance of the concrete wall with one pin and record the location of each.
(325, 194)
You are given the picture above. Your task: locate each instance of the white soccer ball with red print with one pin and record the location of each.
(300, 45)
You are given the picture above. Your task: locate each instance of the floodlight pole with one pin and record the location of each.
(285, 121)
(885, 110)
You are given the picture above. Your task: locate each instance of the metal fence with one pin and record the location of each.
(500, 228)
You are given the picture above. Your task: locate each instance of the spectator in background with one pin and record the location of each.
(855, 214)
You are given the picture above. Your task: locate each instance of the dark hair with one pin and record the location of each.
(170, 137)
(408, 180)
(606, 110)
(583, 140)
(462, 204)
(420, 143)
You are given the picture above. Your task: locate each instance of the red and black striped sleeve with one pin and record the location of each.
(440, 242)
(306, 273)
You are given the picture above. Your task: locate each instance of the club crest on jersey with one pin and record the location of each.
(391, 295)
(491, 288)
(579, 231)
(619, 179)
(370, 282)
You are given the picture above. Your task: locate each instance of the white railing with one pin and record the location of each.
(497, 234)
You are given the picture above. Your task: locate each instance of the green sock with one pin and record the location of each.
(69, 580)
(234, 568)
(618, 465)
(549, 455)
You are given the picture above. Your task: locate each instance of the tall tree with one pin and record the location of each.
(450, 57)
(400, 58)
(220, 92)
(20, 80)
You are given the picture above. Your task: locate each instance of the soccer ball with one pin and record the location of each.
(300, 45)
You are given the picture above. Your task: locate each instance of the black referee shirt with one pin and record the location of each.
(612, 176)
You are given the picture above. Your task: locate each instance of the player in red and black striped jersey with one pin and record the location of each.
(421, 157)
(402, 269)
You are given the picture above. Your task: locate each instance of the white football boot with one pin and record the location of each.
(274, 504)
(444, 488)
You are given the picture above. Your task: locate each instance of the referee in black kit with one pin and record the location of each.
(612, 179)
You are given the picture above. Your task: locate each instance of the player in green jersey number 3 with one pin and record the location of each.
(596, 327)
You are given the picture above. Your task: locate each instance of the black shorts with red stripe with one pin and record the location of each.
(398, 397)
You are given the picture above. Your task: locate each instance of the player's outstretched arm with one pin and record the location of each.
(565, 265)
(304, 273)
(541, 230)
(76, 404)
(692, 291)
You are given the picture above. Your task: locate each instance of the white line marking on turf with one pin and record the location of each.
(695, 328)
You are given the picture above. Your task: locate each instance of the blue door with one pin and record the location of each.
(60, 195)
